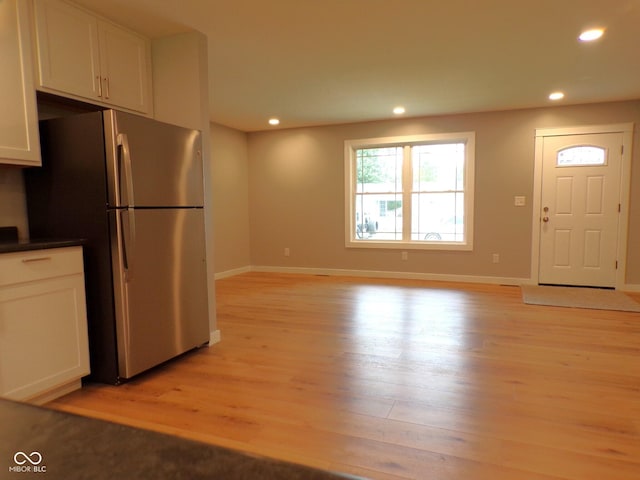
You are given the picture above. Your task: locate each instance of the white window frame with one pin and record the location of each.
(351, 146)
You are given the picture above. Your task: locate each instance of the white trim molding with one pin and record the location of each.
(405, 192)
(231, 273)
(441, 277)
(389, 274)
(214, 337)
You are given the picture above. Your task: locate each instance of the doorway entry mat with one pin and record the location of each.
(578, 297)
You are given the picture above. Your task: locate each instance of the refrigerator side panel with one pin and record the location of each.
(158, 165)
(66, 198)
(113, 161)
(163, 284)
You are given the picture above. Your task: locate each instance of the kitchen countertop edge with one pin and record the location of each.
(38, 244)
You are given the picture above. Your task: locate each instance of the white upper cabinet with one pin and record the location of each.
(67, 47)
(125, 66)
(19, 141)
(83, 56)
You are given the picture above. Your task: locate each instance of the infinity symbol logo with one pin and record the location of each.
(34, 458)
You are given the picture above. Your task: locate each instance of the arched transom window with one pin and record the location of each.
(583, 155)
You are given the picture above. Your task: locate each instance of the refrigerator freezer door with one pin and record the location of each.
(152, 164)
(160, 285)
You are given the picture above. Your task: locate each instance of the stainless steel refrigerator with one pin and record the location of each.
(132, 188)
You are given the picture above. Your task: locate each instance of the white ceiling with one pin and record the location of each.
(315, 62)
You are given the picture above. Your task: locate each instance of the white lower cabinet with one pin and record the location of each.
(43, 324)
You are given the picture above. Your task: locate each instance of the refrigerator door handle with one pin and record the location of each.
(125, 158)
(127, 239)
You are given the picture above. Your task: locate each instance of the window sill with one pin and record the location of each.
(398, 245)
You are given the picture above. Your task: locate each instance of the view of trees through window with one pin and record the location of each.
(410, 193)
(379, 193)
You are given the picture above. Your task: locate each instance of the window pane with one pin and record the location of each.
(402, 190)
(580, 156)
(438, 167)
(379, 170)
(378, 216)
(437, 217)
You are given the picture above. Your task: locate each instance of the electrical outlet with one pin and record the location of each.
(287, 252)
(519, 201)
(496, 258)
(405, 255)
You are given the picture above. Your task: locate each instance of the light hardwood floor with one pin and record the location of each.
(393, 379)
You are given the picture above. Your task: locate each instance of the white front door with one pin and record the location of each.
(580, 209)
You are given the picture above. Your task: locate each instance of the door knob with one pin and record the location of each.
(545, 219)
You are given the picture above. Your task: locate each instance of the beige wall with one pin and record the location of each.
(230, 182)
(296, 192)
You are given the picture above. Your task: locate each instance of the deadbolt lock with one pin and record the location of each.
(545, 219)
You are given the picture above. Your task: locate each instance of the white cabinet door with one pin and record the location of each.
(19, 142)
(44, 348)
(68, 52)
(84, 57)
(124, 59)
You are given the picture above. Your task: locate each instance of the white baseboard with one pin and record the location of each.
(56, 392)
(399, 275)
(628, 287)
(214, 337)
(233, 272)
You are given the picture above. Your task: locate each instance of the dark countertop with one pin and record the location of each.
(71, 447)
(23, 246)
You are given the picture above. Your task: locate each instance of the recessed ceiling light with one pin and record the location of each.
(399, 110)
(274, 121)
(591, 34)
(556, 96)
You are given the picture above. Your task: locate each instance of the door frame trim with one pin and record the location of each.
(625, 189)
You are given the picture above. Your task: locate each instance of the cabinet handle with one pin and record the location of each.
(106, 90)
(99, 85)
(35, 259)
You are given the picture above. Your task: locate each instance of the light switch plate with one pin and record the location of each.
(519, 201)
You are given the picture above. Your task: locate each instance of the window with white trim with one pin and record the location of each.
(410, 192)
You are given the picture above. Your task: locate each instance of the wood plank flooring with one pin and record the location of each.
(396, 379)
